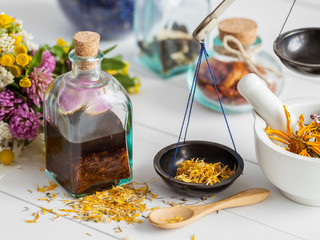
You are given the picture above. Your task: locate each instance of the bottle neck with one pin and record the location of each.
(92, 73)
(86, 70)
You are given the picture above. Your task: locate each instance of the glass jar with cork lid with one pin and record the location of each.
(237, 51)
(88, 124)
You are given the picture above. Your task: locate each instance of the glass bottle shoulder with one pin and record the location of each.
(67, 95)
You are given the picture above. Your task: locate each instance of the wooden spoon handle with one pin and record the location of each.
(244, 198)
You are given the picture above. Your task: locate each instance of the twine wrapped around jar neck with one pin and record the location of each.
(232, 47)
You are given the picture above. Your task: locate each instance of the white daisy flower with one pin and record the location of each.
(6, 43)
(7, 141)
(6, 78)
(27, 37)
(19, 23)
(6, 137)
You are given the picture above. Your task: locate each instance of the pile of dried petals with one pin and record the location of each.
(198, 171)
(305, 142)
(121, 203)
(173, 219)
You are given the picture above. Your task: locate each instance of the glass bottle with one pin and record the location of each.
(163, 31)
(230, 60)
(88, 124)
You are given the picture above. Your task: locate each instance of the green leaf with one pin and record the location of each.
(72, 45)
(26, 142)
(118, 57)
(16, 81)
(64, 68)
(57, 69)
(16, 89)
(112, 64)
(37, 109)
(109, 49)
(15, 85)
(46, 46)
(125, 80)
(58, 51)
(36, 60)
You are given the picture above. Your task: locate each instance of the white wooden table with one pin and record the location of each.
(157, 116)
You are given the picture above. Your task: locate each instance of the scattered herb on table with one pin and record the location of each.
(117, 229)
(36, 217)
(121, 203)
(25, 209)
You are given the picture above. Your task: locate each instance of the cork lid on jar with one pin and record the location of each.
(245, 30)
(86, 44)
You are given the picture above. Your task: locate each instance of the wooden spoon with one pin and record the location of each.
(161, 216)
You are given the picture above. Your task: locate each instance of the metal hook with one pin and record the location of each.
(206, 26)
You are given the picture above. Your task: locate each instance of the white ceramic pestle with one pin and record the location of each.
(265, 103)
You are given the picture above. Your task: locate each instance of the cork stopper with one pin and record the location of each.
(245, 30)
(86, 44)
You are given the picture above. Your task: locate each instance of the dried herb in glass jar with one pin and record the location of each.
(237, 51)
(88, 124)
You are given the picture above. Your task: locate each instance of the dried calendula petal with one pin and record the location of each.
(305, 141)
(172, 220)
(198, 171)
(36, 216)
(121, 203)
(51, 186)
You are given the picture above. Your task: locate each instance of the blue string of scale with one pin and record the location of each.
(285, 21)
(190, 103)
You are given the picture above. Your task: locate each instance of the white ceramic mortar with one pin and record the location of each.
(297, 177)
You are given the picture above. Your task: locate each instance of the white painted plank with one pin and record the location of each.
(15, 211)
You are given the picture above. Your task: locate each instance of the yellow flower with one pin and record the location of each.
(5, 20)
(6, 60)
(6, 156)
(22, 59)
(63, 44)
(20, 49)
(25, 82)
(126, 68)
(18, 40)
(12, 57)
(15, 70)
(123, 71)
(134, 89)
(112, 72)
(300, 142)
(137, 81)
(66, 49)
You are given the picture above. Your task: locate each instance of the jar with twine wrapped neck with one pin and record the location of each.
(237, 51)
(88, 124)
